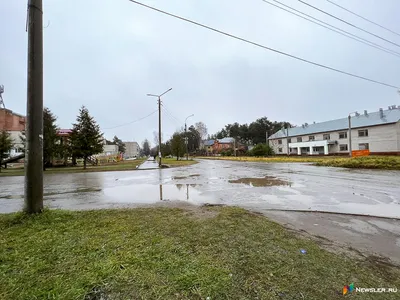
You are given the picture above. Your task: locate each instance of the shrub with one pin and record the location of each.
(262, 150)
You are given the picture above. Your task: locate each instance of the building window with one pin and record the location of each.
(343, 147)
(299, 139)
(280, 142)
(327, 137)
(289, 140)
(362, 133)
(364, 146)
(343, 135)
(311, 138)
(280, 150)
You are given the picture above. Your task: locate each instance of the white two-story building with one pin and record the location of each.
(378, 132)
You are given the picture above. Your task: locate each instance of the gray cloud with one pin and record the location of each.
(108, 55)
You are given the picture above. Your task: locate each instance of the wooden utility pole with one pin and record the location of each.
(34, 111)
(159, 131)
(350, 148)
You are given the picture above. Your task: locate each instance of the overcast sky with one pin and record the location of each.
(108, 54)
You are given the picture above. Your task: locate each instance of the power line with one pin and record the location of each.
(132, 121)
(348, 10)
(170, 114)
(336, 29)
(264, 47)
(348, 23)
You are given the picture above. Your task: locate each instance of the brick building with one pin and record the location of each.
(14, 124)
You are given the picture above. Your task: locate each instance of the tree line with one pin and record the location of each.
(176, 145)
(251, 134)
(84, 141)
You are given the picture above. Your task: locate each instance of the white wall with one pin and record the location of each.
(383, 138)
(110, 149)
(17, 143)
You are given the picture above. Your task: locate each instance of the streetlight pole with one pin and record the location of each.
(186, 137)
(349, 117)
(159, 122)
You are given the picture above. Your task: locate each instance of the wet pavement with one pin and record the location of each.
(306, 187)
(151, 163)
(301, 187)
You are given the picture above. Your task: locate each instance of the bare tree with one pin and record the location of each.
(201, 128)
(155, 138)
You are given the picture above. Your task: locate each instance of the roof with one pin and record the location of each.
(371, 119)
(226, 140)
(209, 143)
(64, 131)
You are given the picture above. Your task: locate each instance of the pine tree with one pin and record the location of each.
(120, 144)
(177, 145)
(6, 145)
(86, 138)
(50, 147)
(146, 147)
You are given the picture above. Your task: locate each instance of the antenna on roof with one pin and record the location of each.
(1, 97)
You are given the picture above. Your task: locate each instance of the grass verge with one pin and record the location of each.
(172, 162)
(169, 253)
(365, 162)
(126, 165)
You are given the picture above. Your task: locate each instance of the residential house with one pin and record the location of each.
(208, 146)
(223, 144)
(378, 132)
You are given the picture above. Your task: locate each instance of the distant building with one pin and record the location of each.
(223, 144)
(208, 146)
(14, 124)
(132, 149)
(219, 145)
(378, 132)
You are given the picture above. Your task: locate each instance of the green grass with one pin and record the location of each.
(166, 253)
(119, 166)
(172, 162)
(365, 162)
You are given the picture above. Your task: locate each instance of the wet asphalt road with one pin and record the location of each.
(375, 193)
(310, 188)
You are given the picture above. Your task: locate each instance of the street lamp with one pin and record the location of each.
(349, 117)
(186, 137)
(159, 122)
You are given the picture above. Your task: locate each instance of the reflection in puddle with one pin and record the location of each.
(148, 193)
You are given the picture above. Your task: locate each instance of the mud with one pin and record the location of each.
(259, 182)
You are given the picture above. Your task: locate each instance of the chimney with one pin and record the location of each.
(365, 113)
(314, 122)
(381, 113)
(389, 107)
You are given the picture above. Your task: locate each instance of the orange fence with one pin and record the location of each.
(360, 153)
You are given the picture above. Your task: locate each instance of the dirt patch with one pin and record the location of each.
(184, 177)
(178, 177)
(258, 182)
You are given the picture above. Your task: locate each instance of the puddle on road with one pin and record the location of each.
(149, 193)
(260, 182)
